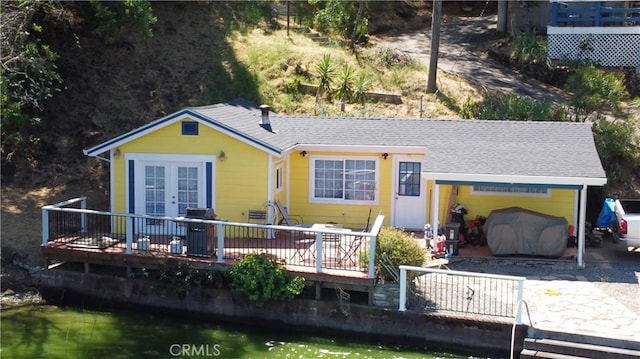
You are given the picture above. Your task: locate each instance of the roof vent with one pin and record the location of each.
(264, 121)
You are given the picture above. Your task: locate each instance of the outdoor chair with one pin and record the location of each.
(305, 250)
(256, 217)
(350, 251)
(288, 219)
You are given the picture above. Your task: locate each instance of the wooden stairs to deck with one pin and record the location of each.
(557, 345)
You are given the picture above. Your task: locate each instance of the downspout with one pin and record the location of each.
(270, 198)
(287, 187)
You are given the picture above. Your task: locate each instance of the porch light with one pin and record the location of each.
(222, 156)
(384, 155)
(116, 153)
(303, 153)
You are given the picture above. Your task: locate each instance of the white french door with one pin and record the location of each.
(167, 189)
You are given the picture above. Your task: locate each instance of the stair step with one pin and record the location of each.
(530, 354)
(579, 349)
(586, 339)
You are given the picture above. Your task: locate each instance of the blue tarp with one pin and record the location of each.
(608, 214)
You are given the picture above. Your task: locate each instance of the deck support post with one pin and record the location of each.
(129, 233)
(402, 305)
(220, 251)
(318, 290)
(520, 296)
(318, 252)
(83, 215)
(86, 267)
(45, 225)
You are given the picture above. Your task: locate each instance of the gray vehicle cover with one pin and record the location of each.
(517, 230)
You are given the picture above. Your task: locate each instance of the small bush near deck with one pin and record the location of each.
(400, 248)
(261, 279)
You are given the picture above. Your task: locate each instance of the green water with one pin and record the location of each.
(43, 331)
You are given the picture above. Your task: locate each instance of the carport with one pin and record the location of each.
(547, 155)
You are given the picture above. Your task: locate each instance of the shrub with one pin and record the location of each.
(181, 277)
(499, 106)
(400, 248)
(618, 146)
(594, 90)
(261, 279)
(116, 17)
(526, 47)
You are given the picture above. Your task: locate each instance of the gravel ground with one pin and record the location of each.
(620, 278)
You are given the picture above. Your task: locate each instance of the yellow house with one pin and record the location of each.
(235, 157)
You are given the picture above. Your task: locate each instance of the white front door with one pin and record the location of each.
(167, 189)
(409, 204)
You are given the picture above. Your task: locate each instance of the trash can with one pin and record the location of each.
(453, 231)
(452, 246)
(200, 236)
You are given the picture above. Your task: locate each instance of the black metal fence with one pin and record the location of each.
(442, 290)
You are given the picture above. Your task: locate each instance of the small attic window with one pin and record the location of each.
(190, 128)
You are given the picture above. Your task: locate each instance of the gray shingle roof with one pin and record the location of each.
(550, 149)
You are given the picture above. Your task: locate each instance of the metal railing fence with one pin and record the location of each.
(319, 248)
(442, 290)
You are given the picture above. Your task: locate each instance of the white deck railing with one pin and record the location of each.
(320, 248)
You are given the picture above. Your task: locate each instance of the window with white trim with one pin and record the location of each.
(528, 191)
(344, 179)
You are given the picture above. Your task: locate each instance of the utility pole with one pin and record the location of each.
(288, 13)
(502, 15)
(435, 45)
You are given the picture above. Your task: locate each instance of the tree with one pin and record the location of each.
(360, 89)
(325, 70)
(345, 87)
(341, 18)
(115, 17)
(357, 26)
(29, 76)
(593, 91)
